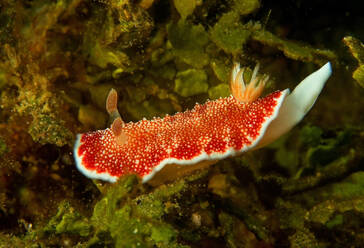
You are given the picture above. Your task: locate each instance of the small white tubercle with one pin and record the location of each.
(297, 104)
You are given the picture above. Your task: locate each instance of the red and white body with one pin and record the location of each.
(209, 132)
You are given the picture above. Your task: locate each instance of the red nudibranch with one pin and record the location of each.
(165, 148)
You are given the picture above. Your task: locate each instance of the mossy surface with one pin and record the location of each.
(185, 8)
(294, 50)
(58, 61)
(136, 221)
(357, 50)
(188, 42)
(229, 34)
(68, 221)
(191, 82)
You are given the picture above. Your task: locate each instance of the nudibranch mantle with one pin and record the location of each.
(198, 137)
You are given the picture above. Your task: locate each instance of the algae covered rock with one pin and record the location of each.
(338, 209)
(132, 220)
(189, 43)
(229, 34)
(357, 50)
(358, 75)
(245, 7)
(191, 82)
(47, 129)
(102, 57)
(350, 188)
(333, 209)
(68, 220)
(293, 49)
(185, 7)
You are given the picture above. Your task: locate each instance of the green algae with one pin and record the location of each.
(103, 57)
(67, 220)
(167, 71)
(191, 82)
(303, 238)
(311, 135)
(149, 108)
(331, 211)
(136, 221)
(293, 50)
(229, 34)
(245, 7)
(335, 221)
(324, 158)
(47, 130)
(188, 42)
(221, 69)
(127, 230)
(106, 207)
(163, 234)
(311, 202)
(350, 188)
(357, 50)
(328, 150)
(339, 209)
(221, 90)
(358, 75)
(185, 8)
(3, 147)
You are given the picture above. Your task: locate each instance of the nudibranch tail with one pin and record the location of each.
(246, 92)
(297, 104)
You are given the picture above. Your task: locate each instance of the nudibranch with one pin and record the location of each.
(165, 148)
